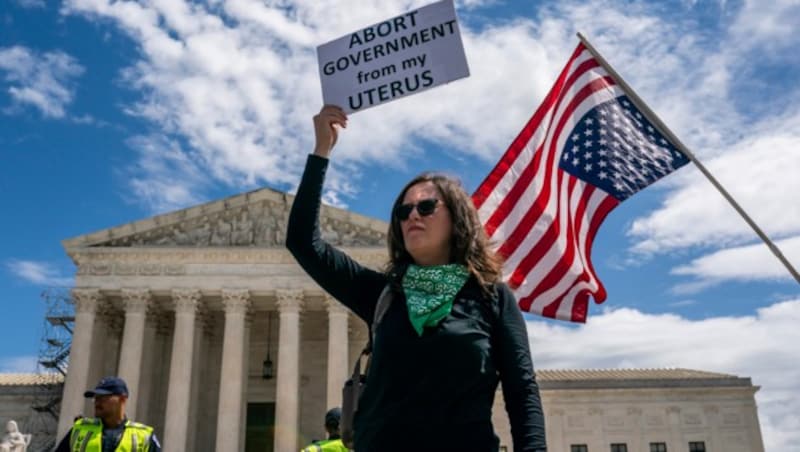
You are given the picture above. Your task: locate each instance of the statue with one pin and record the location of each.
(221, 236)
(14, 441)
(243, 230)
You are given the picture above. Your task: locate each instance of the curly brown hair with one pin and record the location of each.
(469, 244)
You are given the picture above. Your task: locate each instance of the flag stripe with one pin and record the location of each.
(531, 200)
(559, 257)
(599, 206)
(494, 177)
(522, 182)
(514, 160)
(585, 149)
(538, 219)
(574, 303)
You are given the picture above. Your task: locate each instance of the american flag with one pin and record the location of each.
(586, 149)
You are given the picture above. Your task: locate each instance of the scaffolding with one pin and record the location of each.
(53, 360)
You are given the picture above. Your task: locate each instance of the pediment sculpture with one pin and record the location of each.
(262, 224)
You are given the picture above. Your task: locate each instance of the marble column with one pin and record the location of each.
(180, 369)
(103, 355)
(338, 351)
(108, 325)
(151, 364)
(287, 395)
(248, 326)
(86, 301)
(232, 377)
(135, 302)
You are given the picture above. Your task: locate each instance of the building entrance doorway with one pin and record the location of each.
(260, 433)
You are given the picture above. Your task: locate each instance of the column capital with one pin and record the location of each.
(186, 300)
(136, 301)
(289, 300)
(235, 301)
(334, 307)
(86, 300)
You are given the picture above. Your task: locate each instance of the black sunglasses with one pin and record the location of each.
(424, 208)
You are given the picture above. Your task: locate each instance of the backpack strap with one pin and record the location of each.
(353, 387)
(384, 301)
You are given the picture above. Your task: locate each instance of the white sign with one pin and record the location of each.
(395, 58)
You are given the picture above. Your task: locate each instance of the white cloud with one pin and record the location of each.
(745, 263)
(238, 81)
(44, 81)
(165, 176)
(86, 119)
(18, 364)
(760, 173)
(762, 347)
(682, 303)
(236, 84)
(770, 29)
(672, 64)
(40, 273)
(755, 157)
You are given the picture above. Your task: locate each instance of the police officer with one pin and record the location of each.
(334, 441)
(110, 430)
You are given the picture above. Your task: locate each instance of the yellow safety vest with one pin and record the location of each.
(330, 445)
(87, 435)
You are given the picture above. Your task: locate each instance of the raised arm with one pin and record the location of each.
(356, 286)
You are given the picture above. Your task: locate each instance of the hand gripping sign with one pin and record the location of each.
(395, 58)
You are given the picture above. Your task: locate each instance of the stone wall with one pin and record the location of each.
(724, 419)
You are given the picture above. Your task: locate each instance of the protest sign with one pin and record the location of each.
(398, 57)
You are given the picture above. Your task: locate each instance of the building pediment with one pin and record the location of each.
(253, 219)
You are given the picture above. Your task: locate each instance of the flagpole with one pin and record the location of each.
(674, 139)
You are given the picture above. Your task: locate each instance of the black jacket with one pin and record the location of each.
(437, 390)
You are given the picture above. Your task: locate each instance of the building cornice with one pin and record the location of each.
(102, 261)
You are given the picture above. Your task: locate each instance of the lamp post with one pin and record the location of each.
(267, 371)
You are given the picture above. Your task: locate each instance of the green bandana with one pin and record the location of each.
(430, 292)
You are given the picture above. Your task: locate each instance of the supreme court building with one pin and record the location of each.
(226, 344)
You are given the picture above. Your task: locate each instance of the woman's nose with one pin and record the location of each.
(414, 215)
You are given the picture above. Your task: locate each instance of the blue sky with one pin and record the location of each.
(112, 112)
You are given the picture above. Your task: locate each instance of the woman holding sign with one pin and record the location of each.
(452, 329)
